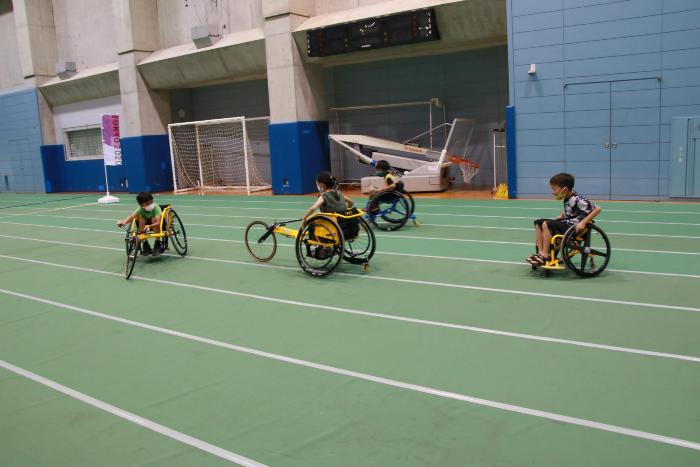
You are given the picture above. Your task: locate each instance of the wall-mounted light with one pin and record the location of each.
(205, 35)
(532, 70)
(65, 69)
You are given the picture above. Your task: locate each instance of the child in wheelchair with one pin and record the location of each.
(578, 212)
(331, 200)
(391, 179)
(148, 216)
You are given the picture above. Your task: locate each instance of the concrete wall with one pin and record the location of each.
(596, 83)
(20, 140)
(83, 114)
(331, 6)
(85, 32)
(472, 84)
(10, 66)
(176, 20)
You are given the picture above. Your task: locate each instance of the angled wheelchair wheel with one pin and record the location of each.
(389, 210)
(176, 233)
(319, 246)
(360, 249)
(127, 237)
(411, 203)
(260, 241)
(586, 253)
(133, 248)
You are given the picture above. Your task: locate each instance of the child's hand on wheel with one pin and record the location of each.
(120, 223)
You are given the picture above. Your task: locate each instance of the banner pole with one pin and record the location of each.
(111, 145)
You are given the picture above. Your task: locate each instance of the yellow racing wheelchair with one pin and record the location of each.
(321, 244)
(586, 253)
(172, 231)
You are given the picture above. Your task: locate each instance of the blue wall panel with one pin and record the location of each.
(87, 175)
(145, 167)
(20, 141)
(298, 152)
(620, 45)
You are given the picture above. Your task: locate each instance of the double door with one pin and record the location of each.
(612, 138)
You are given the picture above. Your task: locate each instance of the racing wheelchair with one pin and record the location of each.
(171, 231)
(587, 253)
(391, 209)
(321, 244)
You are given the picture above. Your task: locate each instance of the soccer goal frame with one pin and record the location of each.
(217, 154)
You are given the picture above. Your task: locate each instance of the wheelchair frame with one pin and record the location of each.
(321, 238)
(572, 244)
(168, 220)
(392, 199)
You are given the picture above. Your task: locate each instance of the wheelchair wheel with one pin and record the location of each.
(133, 248)
(176, 232)
(319, 246)
(389, 210)
(586, 253)
(260, 241)
(360, 249)
(411, 203)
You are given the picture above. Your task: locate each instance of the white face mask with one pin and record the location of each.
(150, 207)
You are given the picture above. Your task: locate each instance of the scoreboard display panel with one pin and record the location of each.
(373, 33)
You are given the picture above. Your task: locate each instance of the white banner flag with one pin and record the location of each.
(111, 143)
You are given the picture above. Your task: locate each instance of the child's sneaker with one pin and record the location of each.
(146, 249)
(157, 248)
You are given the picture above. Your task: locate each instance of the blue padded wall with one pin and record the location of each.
(145, 167)
(298, 152)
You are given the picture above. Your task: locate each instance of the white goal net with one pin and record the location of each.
(227, 153)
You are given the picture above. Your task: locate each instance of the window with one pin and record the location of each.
(83, 143)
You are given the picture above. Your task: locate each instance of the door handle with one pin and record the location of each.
(606, 145)
(614, 145)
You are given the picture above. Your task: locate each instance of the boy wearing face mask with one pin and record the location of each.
(148, 217)
(578, 212)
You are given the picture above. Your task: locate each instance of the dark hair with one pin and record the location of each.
(383, 165)
(326, 179)
(143, 197)
(563, 180)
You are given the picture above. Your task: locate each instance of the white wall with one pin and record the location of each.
(85, 32)
(84, 113)
(330, 6)
(175, 20)
(10, 67)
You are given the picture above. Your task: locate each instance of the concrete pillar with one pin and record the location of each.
(145, 112)
(36, 44)
(298, 129)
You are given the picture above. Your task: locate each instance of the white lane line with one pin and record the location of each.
(391, 279)
(343, 372)
(412, 237)
(133, 418)
(44, 210)
(421, 214)
(419, 202)
(422, 322)
(424, 224)
(451, 258)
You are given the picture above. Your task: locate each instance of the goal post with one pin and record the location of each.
(220, 154)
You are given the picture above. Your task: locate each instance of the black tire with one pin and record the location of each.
(127, 239)
(359, 250)
(587, 253)
(389, 210)
(319, 246)
(133, 249)
(176, 233)
(258, 238)
(411, 202)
